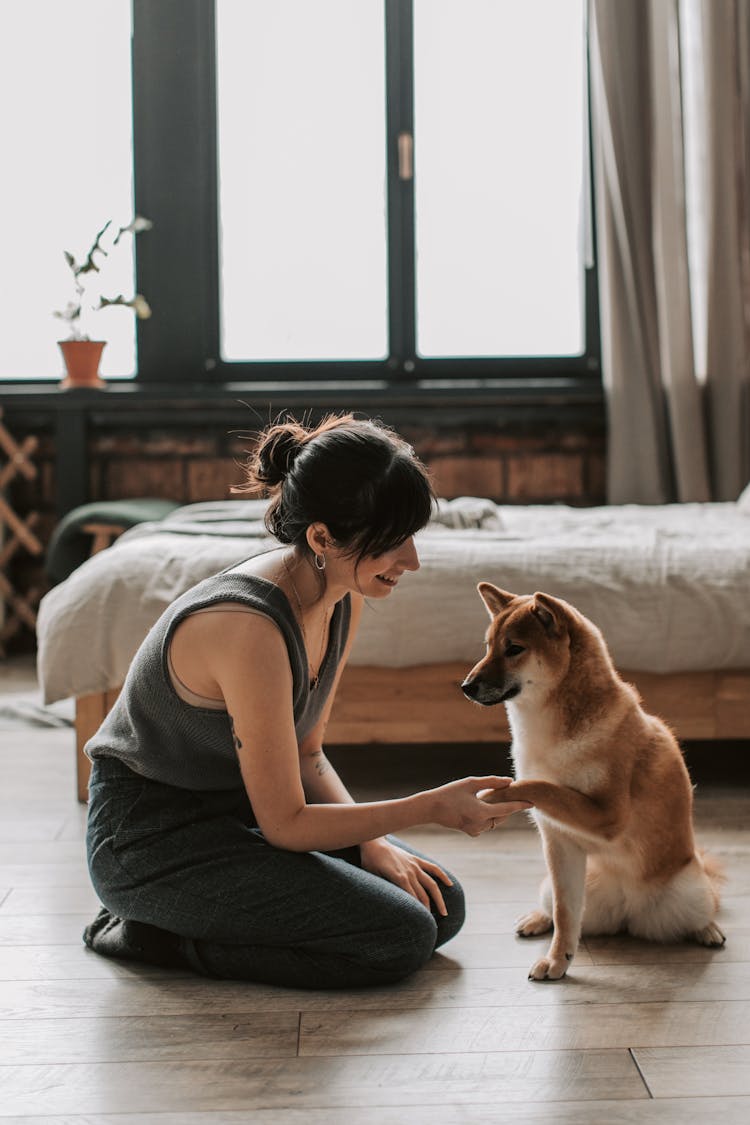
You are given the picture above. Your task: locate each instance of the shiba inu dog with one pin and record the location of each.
(611, 793)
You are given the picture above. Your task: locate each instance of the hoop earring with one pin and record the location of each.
(320, 562)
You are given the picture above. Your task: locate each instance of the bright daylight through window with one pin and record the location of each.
(329, 250)
(301, 120)
(65, 111)
(501, 177)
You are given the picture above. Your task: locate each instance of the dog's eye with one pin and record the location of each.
(512, 649)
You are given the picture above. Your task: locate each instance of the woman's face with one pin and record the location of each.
(375, 576)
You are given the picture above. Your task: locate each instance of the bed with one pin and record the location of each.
(668, 585)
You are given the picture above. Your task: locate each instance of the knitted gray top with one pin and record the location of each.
(160, 736)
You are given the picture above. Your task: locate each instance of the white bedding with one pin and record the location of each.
(669, 586)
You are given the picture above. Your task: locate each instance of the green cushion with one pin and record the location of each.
(69, 546)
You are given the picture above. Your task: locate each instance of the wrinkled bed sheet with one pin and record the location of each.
(668, 585)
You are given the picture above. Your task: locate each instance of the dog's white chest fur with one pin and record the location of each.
(540, 753)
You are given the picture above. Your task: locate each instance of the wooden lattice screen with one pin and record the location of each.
(16, 533)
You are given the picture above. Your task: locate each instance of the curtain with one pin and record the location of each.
(670, 107)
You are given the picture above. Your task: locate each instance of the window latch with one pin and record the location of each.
(405, 156)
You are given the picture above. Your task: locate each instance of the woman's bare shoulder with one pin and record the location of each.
(225, 618)
(207, 642)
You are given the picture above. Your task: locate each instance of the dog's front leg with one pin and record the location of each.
(600, 816)
(566, 863)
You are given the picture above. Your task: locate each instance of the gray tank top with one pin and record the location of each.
(162, 737)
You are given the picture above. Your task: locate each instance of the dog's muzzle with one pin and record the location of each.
(480, 691)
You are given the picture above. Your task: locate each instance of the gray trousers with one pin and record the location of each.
(195, 864)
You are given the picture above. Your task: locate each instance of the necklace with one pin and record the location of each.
(313, 676)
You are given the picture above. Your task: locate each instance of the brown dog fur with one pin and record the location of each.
(611, 793)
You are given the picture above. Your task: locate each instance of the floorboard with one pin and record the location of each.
(343, 1081)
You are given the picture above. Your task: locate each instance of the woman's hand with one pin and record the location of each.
(419, 877)
(503, 803)
(459, 804)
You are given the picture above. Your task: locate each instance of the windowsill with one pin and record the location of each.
(561, 395)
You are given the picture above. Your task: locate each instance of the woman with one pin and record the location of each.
(219, 836)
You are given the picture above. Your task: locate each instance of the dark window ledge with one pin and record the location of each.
(564, 399)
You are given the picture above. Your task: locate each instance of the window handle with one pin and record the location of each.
(405, 156)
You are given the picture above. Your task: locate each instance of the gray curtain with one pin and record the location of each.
(670, 101)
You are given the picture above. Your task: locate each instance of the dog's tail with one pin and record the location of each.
(716, 874)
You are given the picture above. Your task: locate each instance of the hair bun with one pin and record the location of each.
(278, 451)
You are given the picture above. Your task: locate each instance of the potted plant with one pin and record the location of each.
(81, 354)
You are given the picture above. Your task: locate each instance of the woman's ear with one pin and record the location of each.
(319, 538)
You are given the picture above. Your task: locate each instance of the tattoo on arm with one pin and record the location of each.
(235, 739)
(320, 762)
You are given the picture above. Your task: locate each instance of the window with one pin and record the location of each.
(65, 124)
(500, 199)
(302, 180)
(390, 189)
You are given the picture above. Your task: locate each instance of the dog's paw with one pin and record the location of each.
(534, 923)
(711, 936)
(550, 968)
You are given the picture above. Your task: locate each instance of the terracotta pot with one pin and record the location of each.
(82, 359)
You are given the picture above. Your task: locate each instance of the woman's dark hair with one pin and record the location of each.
(358, 477)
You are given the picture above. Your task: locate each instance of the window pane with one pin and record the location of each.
(66, 135)
(499, 130)
(301, 123)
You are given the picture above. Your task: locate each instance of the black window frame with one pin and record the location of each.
(175, 177)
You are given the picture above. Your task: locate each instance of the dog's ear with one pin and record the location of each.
(495, 600)
(549, 612)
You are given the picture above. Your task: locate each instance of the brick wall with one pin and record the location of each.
(537, 466)
(512, 463)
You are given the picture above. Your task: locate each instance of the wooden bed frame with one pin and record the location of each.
(425, 705)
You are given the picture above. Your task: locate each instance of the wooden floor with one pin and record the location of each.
(637, 1033)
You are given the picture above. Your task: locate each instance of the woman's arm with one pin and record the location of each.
(418, 876)
(321, 783)
(246, 658)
